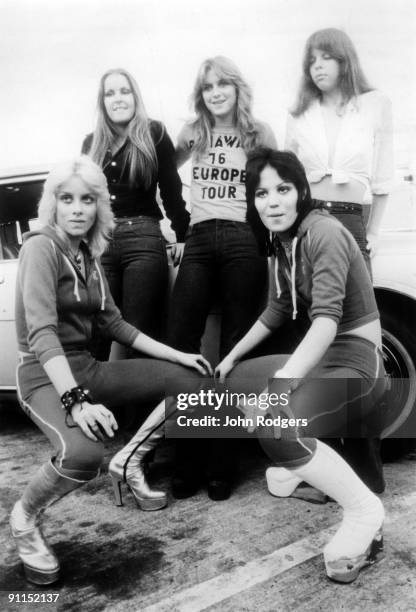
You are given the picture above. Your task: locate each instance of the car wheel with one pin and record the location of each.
(399, 353)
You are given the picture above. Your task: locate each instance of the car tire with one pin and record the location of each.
(399, 353)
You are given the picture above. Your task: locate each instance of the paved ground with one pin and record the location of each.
(249, 553)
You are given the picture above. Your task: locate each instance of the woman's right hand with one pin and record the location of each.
(195, 361)
(224, 368)
(94, 420)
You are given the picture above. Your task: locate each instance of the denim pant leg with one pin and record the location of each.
(243, 282)
(144, 268)
(194, 290)
(242, 292)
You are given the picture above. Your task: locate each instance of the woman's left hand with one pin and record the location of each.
(176, 253)
(197, 362)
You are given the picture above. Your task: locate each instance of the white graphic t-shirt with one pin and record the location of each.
(218, 175)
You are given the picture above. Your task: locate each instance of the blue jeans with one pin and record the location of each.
(136, 268)
(221, 263)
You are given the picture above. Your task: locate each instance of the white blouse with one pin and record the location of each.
(363, 149)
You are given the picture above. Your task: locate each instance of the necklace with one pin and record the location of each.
(77, 257)
(287, 247)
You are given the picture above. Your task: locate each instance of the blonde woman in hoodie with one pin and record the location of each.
(61, 293)
(335, 376)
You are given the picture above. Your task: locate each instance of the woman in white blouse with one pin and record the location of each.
(341, 130)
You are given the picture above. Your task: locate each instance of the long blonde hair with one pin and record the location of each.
(140, 148)
(352, 81)
(92, 175)
(244, 121)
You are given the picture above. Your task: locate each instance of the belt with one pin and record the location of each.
(350, 207)
(129, 220)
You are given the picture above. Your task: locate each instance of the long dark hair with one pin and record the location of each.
(352, 81)
(289, 169)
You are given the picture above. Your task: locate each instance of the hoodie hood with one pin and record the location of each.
(68, 256)
(50, 233)
(281, 254)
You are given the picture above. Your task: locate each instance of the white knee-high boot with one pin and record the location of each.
(127, 465)
(359, 539)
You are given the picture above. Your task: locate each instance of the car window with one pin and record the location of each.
(18, 210)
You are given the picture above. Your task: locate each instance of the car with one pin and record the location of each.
(394, 272)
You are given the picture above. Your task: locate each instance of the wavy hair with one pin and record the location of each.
(92, 175)
(289, 169)
(248, 127)
(140, 151)
(352, 81)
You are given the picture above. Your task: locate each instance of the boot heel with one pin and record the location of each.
(116, 482)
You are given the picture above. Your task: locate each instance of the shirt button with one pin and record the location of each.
(113, 163)
(113, 197)
(114, 180)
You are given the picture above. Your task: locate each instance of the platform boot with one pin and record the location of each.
(359, 540)
(127, 465)
(48, 486)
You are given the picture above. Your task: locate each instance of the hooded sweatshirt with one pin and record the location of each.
(325, 273)
(56, 306)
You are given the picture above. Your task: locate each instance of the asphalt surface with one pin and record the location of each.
(250, 553)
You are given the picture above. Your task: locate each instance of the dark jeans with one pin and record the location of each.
(136, 268)
(351, 217)
(221, 263)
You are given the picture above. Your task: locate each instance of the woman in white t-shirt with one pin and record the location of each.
(221, 259)
(341, 130)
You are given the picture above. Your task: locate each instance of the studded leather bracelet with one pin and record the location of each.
(76, 395)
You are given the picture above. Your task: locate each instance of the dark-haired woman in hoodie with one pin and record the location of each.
(61, 293)
(335, 376)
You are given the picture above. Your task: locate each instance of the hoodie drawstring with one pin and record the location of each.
(101, 286)
(276, 276)
(293, 278)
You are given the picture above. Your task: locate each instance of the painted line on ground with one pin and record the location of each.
(210, 592)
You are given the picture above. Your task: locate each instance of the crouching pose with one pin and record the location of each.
(318, 265)
(61, 293)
